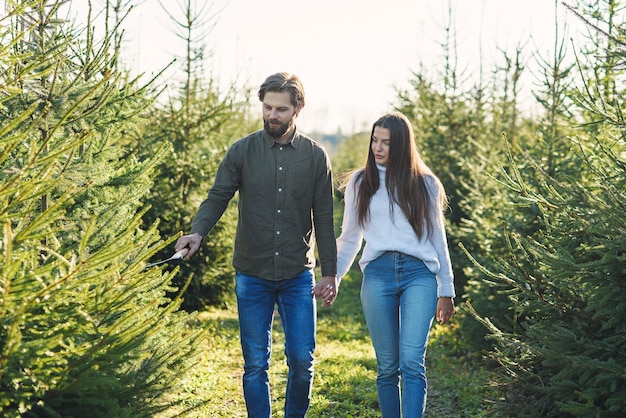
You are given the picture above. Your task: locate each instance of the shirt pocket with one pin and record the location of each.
(300, 186)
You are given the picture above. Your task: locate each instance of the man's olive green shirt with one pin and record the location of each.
(285, 203)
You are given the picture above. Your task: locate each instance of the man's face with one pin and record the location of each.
(279, 115)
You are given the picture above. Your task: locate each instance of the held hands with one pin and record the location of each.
(326, 289)
(191, 242)
(445, 309)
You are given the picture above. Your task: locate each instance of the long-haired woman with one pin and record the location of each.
(395, 203)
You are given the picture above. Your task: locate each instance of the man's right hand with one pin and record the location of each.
(191, 242)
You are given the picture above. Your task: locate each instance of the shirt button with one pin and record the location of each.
(276, 253)
(281, 148)
(277, 232)
(278, 211)
(280, 169)
(280, 189)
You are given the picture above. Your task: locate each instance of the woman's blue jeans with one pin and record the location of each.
(256, 299)
(399, 299)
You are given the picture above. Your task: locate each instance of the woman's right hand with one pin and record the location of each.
(445, 309)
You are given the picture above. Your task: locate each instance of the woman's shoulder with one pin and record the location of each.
(431, 180)
(433, 184)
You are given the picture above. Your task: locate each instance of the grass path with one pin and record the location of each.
(345, 370)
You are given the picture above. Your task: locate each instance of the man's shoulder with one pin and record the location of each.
(306, 138)
(316, 146)
(250, 139)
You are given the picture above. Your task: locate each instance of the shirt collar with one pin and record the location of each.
(295, 140)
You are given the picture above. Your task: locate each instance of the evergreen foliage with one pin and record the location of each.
(566, 357)
(490, 208)
(561, 349)
(84, 329)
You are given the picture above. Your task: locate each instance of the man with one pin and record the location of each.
(285, 189)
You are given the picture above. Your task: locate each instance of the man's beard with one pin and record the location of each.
(279, 131)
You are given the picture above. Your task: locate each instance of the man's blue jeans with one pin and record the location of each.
(256, 299)
(399, 299)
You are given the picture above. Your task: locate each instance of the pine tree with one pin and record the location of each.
(84, 329)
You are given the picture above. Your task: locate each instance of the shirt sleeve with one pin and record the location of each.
(323, 216)
(227, 182)
(351, 238)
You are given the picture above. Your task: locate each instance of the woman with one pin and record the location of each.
(396, 204)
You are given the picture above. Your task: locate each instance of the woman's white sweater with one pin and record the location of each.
(387, 231)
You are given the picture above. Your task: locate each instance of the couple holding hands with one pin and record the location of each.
(394, 203)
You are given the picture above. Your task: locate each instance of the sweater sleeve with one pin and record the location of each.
(351, 237)
(445, 276)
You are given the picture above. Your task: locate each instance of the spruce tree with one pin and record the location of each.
(490, 208)
(85, 330)
(562, 355)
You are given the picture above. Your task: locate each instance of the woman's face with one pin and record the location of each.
(380, 145)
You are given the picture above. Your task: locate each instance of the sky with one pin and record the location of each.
(351, 55)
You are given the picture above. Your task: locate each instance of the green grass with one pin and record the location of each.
(345, 373)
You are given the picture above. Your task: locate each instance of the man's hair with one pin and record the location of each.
(280, 82)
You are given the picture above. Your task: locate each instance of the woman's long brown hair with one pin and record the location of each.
(405, 178)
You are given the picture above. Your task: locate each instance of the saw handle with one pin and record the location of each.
(180, 254)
